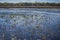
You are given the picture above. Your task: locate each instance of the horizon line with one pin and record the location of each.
(29, 2)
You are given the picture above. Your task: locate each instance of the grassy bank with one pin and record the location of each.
(29, 5)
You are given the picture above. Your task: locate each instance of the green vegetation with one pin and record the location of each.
(29, 4)
(11, 16)
(2, 16)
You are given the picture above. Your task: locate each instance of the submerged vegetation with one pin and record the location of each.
(37, 25)
(31, 25)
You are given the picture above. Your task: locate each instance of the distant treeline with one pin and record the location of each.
(30, 4)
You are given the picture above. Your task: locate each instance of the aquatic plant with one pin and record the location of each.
(37, 26)
(11, 16)
(2, 16)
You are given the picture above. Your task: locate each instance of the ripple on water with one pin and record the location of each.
(43, 26)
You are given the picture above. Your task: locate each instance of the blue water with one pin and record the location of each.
(29, 24)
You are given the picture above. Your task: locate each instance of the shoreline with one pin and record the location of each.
(30, 7)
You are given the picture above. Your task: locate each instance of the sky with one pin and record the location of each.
(15, 1)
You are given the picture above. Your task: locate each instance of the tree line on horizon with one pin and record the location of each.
(29, 4)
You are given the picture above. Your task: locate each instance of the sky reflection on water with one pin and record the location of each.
(29, 24)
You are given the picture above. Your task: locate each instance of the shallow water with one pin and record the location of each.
(29, 24)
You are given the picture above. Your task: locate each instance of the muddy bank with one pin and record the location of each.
(30, 7)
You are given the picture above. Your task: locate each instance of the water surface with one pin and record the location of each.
(29, 24)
